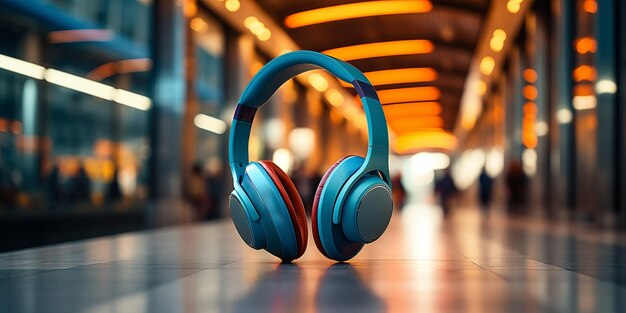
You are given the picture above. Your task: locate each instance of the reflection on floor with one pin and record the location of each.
(467, 263)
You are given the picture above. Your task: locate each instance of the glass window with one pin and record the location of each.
(63, 149)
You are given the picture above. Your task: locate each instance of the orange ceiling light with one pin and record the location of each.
(530, 92)
(412, 109)
(583, 90)
(514, 5)
(408, 124)
(198, 25)
(428, 139)
(481, 87)
(586, 45)
(497, 40)
(590, 6)
(530, 75)
(529, 121)
(190, 8)
(400, 76)
(530, 108)
(356, 10)
(381, 49)
(412, 94)
(584, 72)
(487, 64)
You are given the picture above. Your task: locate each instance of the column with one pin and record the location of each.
(168, 54)
(561, 135)
(606, 88)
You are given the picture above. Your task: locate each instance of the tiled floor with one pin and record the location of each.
(422, 264)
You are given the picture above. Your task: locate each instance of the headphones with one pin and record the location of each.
(353, 201)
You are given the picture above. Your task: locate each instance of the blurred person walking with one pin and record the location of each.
(517, 186)
(196, 193)
(114, 193)
(214, 189)
(445, 188)
(81, 185)
(485, 190)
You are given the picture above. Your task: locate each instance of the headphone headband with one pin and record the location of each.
(276, 72)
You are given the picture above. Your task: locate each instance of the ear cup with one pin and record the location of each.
(278, 228)
(292, 200)
(316, 201)
(250, 231)
(332, 241)
(367, 210)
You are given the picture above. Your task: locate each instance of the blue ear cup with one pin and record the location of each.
(365, 215)
(367, 211)
(249, 230)
(274, 230)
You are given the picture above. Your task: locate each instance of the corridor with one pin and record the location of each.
(423, 263)
(461, 155)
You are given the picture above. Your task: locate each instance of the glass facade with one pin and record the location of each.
(65, 147)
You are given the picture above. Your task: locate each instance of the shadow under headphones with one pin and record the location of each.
(353, 202)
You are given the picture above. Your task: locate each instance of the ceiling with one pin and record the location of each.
(453, 27)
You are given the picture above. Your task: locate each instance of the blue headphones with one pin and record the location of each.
(353, 202)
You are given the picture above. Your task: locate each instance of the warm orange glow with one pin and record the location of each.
(530, 108)
(408, 124)
(198, 24)
(334, 97)
(399, 76)
(584, 72)
(487, 64)
(529, 140)
(79, 35)
(4, 125)
(232, 5)
(414, 141)
(257, 28)
(497, 40)
(356, 10)
(393, 111)
(514, 5)
(529, 134)
(586, 45)
(318, 82)
(530, 75)
(411, 94)
(120, 67)
(583, 90)
(498, 114)
(381, 49)
(190, 8)
(481, 87)
(590, 6)
(255, 67)
(530, 92)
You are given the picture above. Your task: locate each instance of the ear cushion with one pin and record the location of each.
(292, 200)
(316, 202)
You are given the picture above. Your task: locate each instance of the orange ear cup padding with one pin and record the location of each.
(292, 200)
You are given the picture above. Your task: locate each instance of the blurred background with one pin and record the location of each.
(114, 115)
